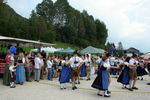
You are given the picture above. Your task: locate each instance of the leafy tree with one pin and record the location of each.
(52, 22)
(120, 49)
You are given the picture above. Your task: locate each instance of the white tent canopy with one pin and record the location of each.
(90, 50)
(46, 49)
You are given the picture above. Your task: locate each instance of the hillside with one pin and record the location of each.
(54, 23)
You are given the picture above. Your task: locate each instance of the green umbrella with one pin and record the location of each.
(65, 51)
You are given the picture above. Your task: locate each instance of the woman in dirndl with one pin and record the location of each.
(101, 82)
(20, 71)
(124, 77)
(83, 69)
(141, 69)
(6, 78)
(65, 73)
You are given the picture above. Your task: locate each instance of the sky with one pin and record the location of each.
(127, 21)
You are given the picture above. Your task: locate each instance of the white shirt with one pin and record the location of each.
(49, 64)
(126, 63)
(132, 62)
(87, 60)
(120, 61)
(106, 65)
(64, 61)
(77, 59)
(23, 60)
(11, 68)
(37, 63)
(112, 61)
(42, 62)
(12, 58)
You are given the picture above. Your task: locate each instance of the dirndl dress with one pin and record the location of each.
(64, 75)
(83, 71)
(124, 77)
(20, 74)
(101, 81)
(6, 77)
(141, 71)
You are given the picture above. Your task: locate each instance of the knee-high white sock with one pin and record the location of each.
(73, 83)
(64, 85)
(105, 92)
(134, 82)
(61, 85)
(98, 92)
(123, 85)
(12, 83)
(130, 84)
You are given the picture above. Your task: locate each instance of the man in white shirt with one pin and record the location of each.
(75, 63)
(37, 66)
(133, 64)
(50, 69)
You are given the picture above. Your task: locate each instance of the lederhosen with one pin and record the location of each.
(75, 70)
(133, 73)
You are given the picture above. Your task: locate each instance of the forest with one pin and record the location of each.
(54, 22)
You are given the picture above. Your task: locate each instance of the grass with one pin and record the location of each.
(66, 45)
(3, 49)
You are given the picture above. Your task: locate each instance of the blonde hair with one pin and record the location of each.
(8, 53)
(21, 55)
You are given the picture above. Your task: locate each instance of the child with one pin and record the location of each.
(12, 71)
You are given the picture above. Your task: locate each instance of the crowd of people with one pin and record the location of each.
(72, 69)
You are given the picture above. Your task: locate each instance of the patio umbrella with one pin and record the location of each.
(65, 51)
(90, 50)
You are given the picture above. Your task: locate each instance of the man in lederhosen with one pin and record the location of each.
(75, 63)
(133, 64)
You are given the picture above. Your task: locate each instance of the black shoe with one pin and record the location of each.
(64, 88)
(148, 83)
(130, 89)
(75, 87)
(142, 78)
(135, 88)
(61, 88)
(106, 95)
(88, 79)
(79, 82)
(99, 94)
(12, 86)
(108, 92)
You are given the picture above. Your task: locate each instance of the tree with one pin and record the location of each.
(54, 22)
(101, 31)
(47, 10)
(120, 49)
